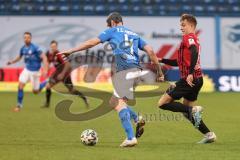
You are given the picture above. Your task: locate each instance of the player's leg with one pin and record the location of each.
(43, 84)
(165, 99)
(176, 92)
(209, 136)
(48, 95)
(166, 102)
(35, 80)
(120, 106)
(133, 114)
(138, 120)
(23, 79)
(145, 77)
(68, 83)
(124, 90)
(20, 96)
(52, 80)
(202, 127)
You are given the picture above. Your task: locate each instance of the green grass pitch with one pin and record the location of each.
(37, 134)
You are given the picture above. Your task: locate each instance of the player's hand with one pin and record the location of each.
(190, 80)
(160, 78)
(9, 63)
(60, 77)
(159, 60)
(172, 85)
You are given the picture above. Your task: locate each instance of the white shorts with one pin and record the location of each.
(124, 82)
(32, 76)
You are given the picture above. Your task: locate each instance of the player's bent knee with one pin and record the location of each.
(111, 102)
(118, 108)
(21, 85)
(161, 102)
(164, 100)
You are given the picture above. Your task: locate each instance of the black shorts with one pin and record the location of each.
(67, 81)
(183, 90)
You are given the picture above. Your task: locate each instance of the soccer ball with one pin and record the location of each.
(89, 137)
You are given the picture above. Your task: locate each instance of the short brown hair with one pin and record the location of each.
(190, 18)
(53, 41)
(115, 16)
(28, 33)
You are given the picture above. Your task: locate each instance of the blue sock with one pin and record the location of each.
(126, 122)
(133, 115)
(20, 97)
(43, 84)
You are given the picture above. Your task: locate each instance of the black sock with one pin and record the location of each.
(48, 95)
(177, 107)
(202, 127)
(75, 92)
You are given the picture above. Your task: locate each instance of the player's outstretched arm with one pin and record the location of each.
(85, 45)
(194, 58)
(18, 58)
(45, 63)
(170, 62)
(149, 50)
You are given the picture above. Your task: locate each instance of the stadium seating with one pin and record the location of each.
(126, 7)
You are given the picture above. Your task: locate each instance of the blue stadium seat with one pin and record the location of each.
(236, 9)
(187, 8)
(126, 7)
(16, 8)
(199, 8)
(211, 8)
(64, 8)
(100, 8)
(51, 8)
(2, 8)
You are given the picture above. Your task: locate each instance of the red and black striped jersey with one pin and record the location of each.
(56, 58)
(184, 56)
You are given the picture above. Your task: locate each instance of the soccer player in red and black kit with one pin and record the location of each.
(61, 74)
(191, 80)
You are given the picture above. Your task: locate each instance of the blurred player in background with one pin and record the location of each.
(33, 57)
(61, 74)
(125, 44)
(191, 80)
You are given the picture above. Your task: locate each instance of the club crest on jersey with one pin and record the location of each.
(191, 41)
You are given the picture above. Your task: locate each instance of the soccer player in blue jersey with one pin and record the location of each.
(33, 58)
(125, 44)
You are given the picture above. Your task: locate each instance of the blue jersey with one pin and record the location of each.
(32, 57)
(125, 44)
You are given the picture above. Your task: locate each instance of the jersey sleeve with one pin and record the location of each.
(188, 41)
(47, 53)
(38, 50)
(21, 52)
(61, 58)
(141, 43)
(106, 35)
